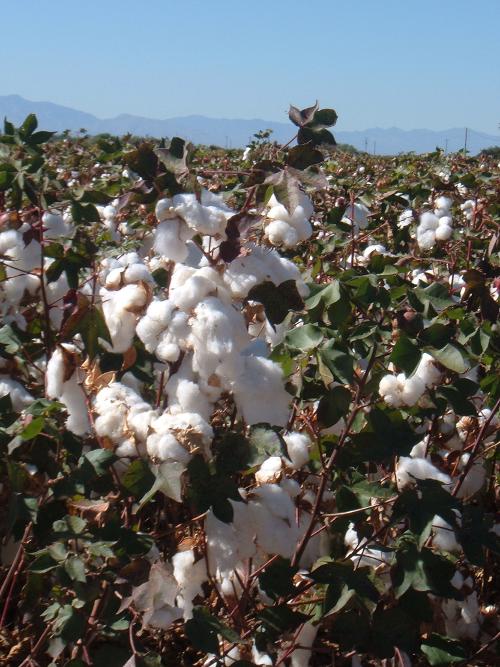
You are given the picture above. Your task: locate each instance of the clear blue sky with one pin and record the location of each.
(409, 63)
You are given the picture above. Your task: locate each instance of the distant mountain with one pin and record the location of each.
(237, 132)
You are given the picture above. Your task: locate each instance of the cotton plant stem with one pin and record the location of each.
(329, 465)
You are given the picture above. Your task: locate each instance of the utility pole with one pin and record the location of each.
(374, 147)
(465, 142)
(366, 145)
(446, 146)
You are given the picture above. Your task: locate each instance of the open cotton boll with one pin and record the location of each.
(297, 445)
(259, 392)
(203, 218)
(444, 536)
(428, 371)
(443, 204)
(280, 233)
(20, 398)
(190, 576)
(55, 226)
(304, 639)
(189, 428)
(357, 215)
(186, 396)
(270, 470)
(405, 218)
(428, 222)
(259, 658)
(119, 309)
(408, 469)
(475, 478)
(168, 242)
(444, 233)
(166, 447)
(398, 390)
(63, 383)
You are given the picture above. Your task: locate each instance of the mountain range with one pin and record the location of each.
(236, 132)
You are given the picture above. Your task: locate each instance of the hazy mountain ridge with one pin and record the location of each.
(237, 132)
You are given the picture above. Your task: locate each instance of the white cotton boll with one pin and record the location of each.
(259, 392)
(427, 371)
(413, 389)
(137, 272)
(154, 322)
(208, 217)
(222, 543)
(126, 449)
(260, 659)
(139, 419)
(190, 576)
(277, 500)
(305, 639)
(270, 470)
(444, 535)
(357, 215)
(164, 210)
(186, 426)
(408, 469)
(188, 396)
(444, 233)
(19, 397)
(73, 398)
(419, 450)
(166, 447)
(376, 248)
(391, 389)
(475, 478)
(54, 375)
(119, 308)
(111, 423)
(167, 241)
(298, 445)
(405, 218)
(55, 226)
(280, 233)
(443, 203)
(428, 222)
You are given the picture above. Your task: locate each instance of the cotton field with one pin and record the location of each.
(249, 403)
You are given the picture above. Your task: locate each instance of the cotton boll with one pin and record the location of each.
(190, 576)
(19, 397)
(443, 204)
(270, 470)
(357, 215)
(280, 233)
(405, 218)
(73, 398)
(259, 392)
(444, 233)
(475, 478)
(305, 639)
(55, 374)
(408, 469)
(55, 226)
(260, 659)
(167, 241)
(210, 218)
(444, 536)
(412, 390)
(166, 447)
(427, 371)
(119, 309)
(390, 388)
(298, 445)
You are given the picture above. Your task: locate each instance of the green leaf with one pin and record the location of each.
(324, 118)
(277, 579)
(457, 400)
(97, 462)
(138, 478)
(168, 481)
(405, 354)
(436, 294)
(278, 300)
(333, 406)
(304, 338)
(339, 362)
(442, 651)
(75, 569)
(29, 126)
(264, 442)
(203, 628)
(33, 429)
(451, 357)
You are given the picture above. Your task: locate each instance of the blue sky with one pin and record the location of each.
(405, 63)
